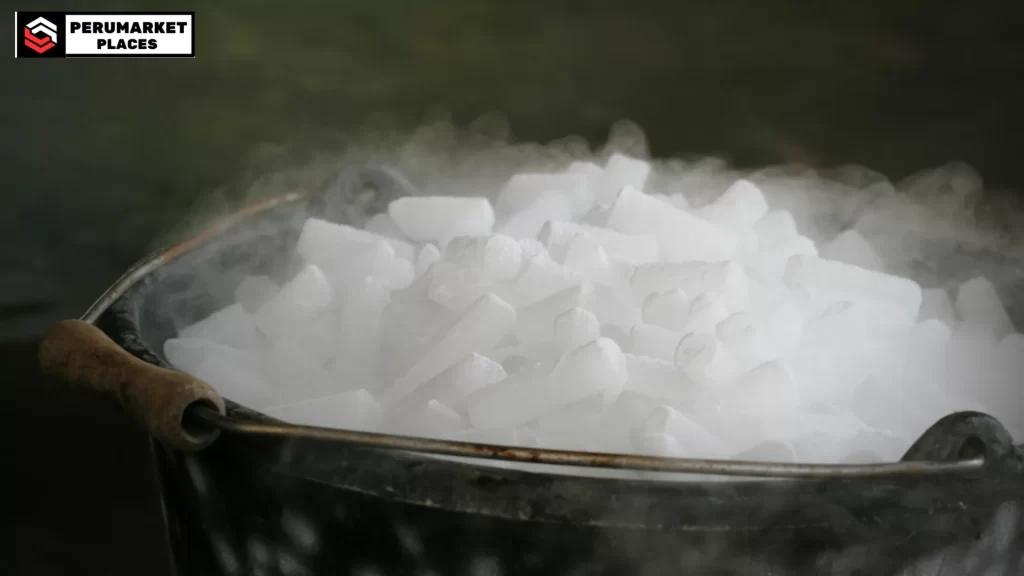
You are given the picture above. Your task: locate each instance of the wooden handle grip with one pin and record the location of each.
(81, 354)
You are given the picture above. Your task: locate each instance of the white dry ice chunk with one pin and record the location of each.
(481, 328)
(297, 374)
(669, 309)
(495, 257)
(693, 440)
(401, 275)
(345, 253)
(661, 444)
(739, 207)
(705, 312)
(573, 427)
(441, 218)
(681, 236)
(597, 367)
(453, 385)
(936, 304)
(585, 255)
(357, 352)
(410, 325)
(768, 264)
(850, 247)
(456, 287)
(621, 171)
(747, 344)
(834, 353)
(427, 255)
(384, 226)
(622, 421)
(231, 326)
(574, 328)
(823, 434)
(658, 379)
(237, 375)
(704, 357)
(528, 222)
(980, 307)
(435, 420)
(616, 334)
(523, 190)
(727, 279)
(532, 248)
(654, 341)
(542, 277)
(775, 229)
(632, 249)
(747, 246)
(536, 321)
(318, 337)
(679, 201)
(323, 242)
(778, 317)
(769, 388)
(614, 307)
(593, 172)
(511, 401)
(597, 216)
(890, 298)
(300, 300)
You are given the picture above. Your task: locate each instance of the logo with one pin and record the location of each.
(40, 35)
(47, 29)
(105, 34)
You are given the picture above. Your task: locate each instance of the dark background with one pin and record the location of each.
(102, 157)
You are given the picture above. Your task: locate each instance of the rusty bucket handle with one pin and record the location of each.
(82, 355)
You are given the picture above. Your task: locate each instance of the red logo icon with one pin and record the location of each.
(40, 35)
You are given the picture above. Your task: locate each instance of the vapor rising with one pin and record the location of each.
(737, 304)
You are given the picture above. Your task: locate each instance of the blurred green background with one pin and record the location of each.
(103, 156)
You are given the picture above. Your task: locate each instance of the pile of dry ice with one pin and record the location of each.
(577, 311)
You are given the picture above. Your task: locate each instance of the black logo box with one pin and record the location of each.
(59, 20)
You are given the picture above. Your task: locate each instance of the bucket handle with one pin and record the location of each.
(82, 355)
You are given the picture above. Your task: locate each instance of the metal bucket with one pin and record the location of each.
(270, 498)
